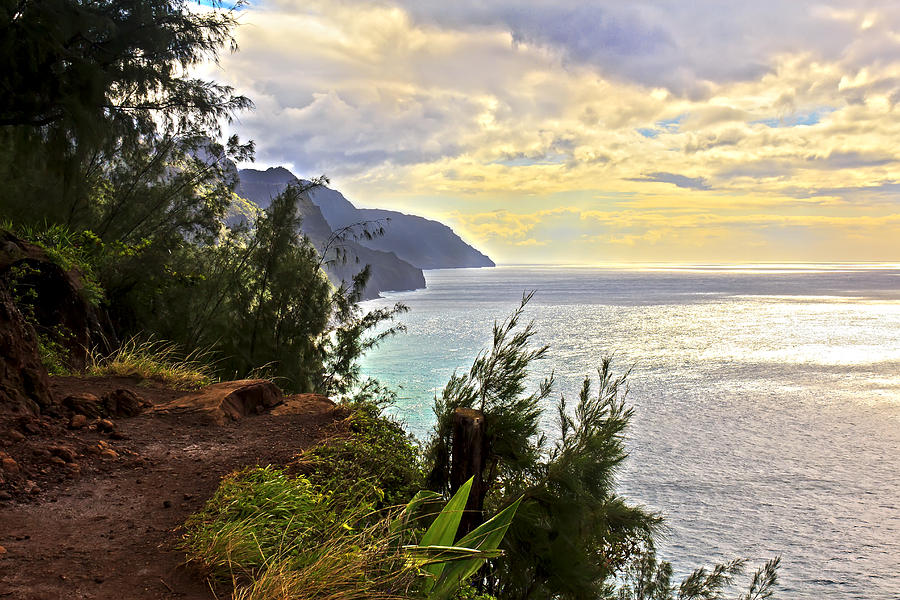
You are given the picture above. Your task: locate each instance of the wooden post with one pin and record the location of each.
(467, 461)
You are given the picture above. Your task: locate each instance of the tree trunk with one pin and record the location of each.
(467, 461)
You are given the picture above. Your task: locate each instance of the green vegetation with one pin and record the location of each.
(153, 360)
(573, 533)
(378, 459)
(332, 531)
(272, 535)
(276, 536)
(113, 159)
(573, 536)
(447, 564)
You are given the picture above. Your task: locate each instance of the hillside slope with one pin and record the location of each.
(421, 242)
(388, 271)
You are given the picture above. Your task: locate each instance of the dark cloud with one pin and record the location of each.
(887, 192)
(679, 45)
(682, 181)
(851, 160)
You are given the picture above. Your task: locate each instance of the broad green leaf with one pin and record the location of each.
(443, 531)
(435, 554)
(420, 499)
(485, 537)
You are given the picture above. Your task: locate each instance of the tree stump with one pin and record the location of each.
(467, 461)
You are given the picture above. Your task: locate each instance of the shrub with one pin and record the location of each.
(377, 460)
(278, 536)
(153, 360)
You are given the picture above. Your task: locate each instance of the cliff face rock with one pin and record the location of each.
(421, 242)
(56, 303)
(24, 385)
(388, 271)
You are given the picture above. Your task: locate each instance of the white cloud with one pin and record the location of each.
(472, 107)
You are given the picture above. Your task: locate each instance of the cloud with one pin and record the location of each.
(516, 109)
(685, 47)
(690, 183)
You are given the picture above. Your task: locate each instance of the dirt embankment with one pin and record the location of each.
(90, 507)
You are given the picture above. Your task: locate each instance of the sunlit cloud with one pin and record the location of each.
(767, 130)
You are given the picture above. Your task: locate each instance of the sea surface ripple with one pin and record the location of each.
(767, 399)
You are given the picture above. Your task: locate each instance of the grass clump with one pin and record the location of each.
(379, 460)
(153, 360)
(254, 515)
(277, 536)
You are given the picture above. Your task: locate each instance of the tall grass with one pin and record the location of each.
(154, 360)
(366, 564)
(277, 537)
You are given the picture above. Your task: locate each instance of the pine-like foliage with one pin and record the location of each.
(572, 533)
(648, 578)
(495, 385)
(87, 84)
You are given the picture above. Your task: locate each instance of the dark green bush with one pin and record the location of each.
(378, 460)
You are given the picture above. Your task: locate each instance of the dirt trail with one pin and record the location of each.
(105, 525)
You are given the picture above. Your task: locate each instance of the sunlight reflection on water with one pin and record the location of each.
(767, 400)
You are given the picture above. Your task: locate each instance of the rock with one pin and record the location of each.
(229, 401)
(105, 426)
(167, 504)
(109, 453)
(57, 461)
(31, 488)
(64, 452)
(30, 425)
(74, 471)
(123, 403)
(58, 304)
(78, 422)
(15, 436)
(2, 550)
(4, 495)
(9, 465)
(24, 384)
(85, 404)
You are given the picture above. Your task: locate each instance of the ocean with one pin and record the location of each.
(767, 399)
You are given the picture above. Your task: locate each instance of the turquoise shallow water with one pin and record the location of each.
(767, 400)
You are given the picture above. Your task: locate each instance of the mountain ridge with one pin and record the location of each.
(409, 244)
(425, 243)
(388, 272)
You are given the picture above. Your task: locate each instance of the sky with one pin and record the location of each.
(592, 132)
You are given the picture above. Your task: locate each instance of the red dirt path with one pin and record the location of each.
(108, 527)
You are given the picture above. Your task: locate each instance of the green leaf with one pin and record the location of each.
(443, 531)
(421, 498)
(442, 554)
(486, 537)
